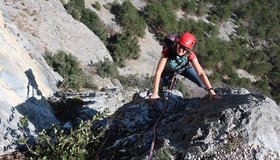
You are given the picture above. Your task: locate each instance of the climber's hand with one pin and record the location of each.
(214, 96)
(154, 97)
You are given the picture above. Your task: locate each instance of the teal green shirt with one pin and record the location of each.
(176, 63)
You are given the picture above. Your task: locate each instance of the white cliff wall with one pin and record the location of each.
(47, 26)
(25, 83)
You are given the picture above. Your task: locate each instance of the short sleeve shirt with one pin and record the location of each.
(176, 63)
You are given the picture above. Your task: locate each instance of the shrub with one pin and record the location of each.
(215, 78)
(260, 69)
(135, 80)
(202, 8)
(106, 69)
(78, 4)
(161, 19)
(69, 68)
(234, 80)
(276, 97)
(254, 23)
(97, 6)
(77, 9)
(244, 82)
(92, 21)
(123, 46)
(57, 143)
(242, 62)
(189, 7)
(127, 16)
(224, 11)
(263, 85)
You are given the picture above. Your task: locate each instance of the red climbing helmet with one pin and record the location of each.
(187, 40)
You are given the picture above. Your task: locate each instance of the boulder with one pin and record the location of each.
(242, 125)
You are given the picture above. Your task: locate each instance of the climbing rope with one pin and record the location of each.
(105, 140)
(172, 85)
(166, 96)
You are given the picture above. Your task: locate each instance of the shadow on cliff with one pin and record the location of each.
(36, 107)
(43, 113)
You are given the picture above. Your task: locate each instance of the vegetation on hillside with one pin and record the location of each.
(128, 17)
(77, 9)
(108, 69)
(258, 36)
(69, 68)
(253, 48)
(122, 46)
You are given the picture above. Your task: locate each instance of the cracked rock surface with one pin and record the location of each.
(241, 125)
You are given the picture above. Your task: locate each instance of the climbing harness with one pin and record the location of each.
(166, 96)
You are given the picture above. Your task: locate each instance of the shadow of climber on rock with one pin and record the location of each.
(32, 84)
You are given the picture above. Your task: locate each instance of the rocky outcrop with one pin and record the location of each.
(24, 85)
(242, 125)
(45, 25)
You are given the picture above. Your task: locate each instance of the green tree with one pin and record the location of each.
(260, 69)
(127, 16)
(189, 7)
(92, 21)
(77, 9)
(74, 8)
(242, 62)
(263, 86)
(202, 8)
(160, 19)
(123, 46)
(106, 69)
(185, 24)
(224, 12)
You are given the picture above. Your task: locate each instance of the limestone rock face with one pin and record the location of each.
(242, 125)
(47, 26)
(24, 85)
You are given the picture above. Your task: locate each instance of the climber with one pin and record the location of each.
(175, 60)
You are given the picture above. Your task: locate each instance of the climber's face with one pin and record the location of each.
(182, 50)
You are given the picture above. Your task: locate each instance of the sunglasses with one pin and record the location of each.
(185, 49)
